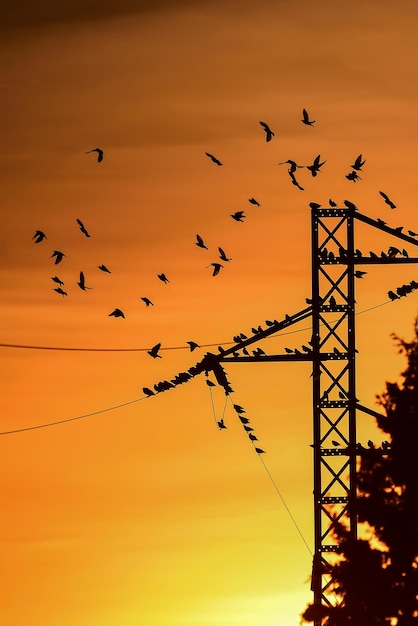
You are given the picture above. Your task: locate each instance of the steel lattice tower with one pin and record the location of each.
(333, 355)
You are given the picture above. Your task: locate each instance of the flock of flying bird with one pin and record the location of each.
(314, 168)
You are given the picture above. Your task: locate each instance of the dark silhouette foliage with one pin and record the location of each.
(377, 578)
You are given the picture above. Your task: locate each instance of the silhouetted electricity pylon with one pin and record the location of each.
(332, 351)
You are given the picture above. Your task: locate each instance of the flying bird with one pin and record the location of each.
(154, 351)
(306, 119)
(58, 256)
(294, 181)
(254, 201)
(268, 131)
(39, 236)
(216, 268)
(358, 163)
(147, 301)
(100, 154)
(193, 345)
(213, 158)
(103, 268)
(316, 165)
(292, 165)
(82, 228)
(387, 200)
(359, 273)
(223, 256)
(163, 278)
(353, 176)
(61, 291)
(57, 280)
(82, 282)
(200, 243)
(238, 216)
(117, 313)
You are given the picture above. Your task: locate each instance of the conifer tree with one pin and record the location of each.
(376, 577)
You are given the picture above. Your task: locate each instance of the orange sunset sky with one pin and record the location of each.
(147, 513)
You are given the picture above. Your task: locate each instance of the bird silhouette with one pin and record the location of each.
(103, 268)
(154, 351)
(350, 205)
(221, 424)
(39, 236)
(259, 451)
(223, 256)
(316, 165)
(353, 176)
(306, 119)
(238, 216)
(61, 291)
(294, 181)
(147, 301)
(392, 295)
(117, 313)
(358, 163)
(216, 268)
(332, 203)
(252, 437)
(163, 278)
(213, 158)
(193, 345)
(100, 154)
(314, 205)
(254, 201)
(268, 131)
(200, 243)
(335, 443)
(82, 228)
(82, 282)
(359, 273)
(58, 256)
(292, 165)
(148, 392)
(57, 280)
(387, 200)
(210, 383)
(238, 408)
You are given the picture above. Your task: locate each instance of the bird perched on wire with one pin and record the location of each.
(387, 200)
(100, 154)
(39, 236)
(216, 268)
(200, 243)
(358, 163)
(392, 295)
(148, 392)
(238, 216)
(117, 313)
(268, 131)
(221, 424)
(193, 345)
(223, 256)
(163, 278)
(103, 268)
(259, 451)
(316, 165)
(82, 282)
(254, 201)
(154, 351)
(213, 158)
(82, 228)
(58, 256)
(306, 119)
(147, 301)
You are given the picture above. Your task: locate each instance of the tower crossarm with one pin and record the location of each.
(381, 225)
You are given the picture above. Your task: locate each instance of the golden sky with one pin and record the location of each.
(147, 513)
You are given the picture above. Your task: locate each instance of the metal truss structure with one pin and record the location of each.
(332, 351)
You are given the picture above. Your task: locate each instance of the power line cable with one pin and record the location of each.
(186, 347)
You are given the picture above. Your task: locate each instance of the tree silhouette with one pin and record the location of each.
(376, 578)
